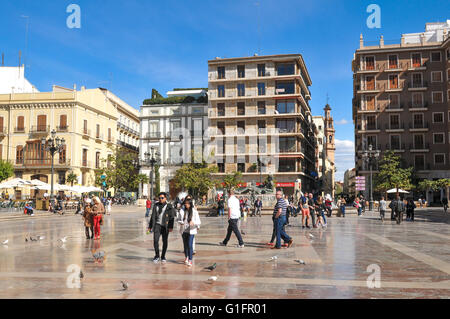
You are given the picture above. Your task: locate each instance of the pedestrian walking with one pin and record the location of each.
(311, 210)
(280, 220)
(258, 207)
(108, 206)
(148, 207)
(341, 204)
(88, 218)
(328, 205)
(189, 221)
(233, 218)
(410, 206)
(161, 224)
(97, 210)
(382, 207)
(445, 203)
(221, 206)
(304, 208)
(358, 206)
(320, 209)
(399, 208)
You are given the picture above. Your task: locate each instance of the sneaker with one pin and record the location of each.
(186, 260)
(163, 260)
(156, 260)
(309, 227)
(32, 214)
(303, 227)
(222, 244)
(240, 246)
(270, 244)
(290, 243)
(284, 245)
(189, 263)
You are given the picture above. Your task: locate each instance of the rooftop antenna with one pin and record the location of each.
(26, 40)
(257, 4)
(327, 98)
(20, 57)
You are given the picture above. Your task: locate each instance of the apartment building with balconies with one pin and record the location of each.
(401, 100)
(260, 120)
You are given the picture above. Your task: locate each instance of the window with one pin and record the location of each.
(97, 159)
(42, 123)
(261, 89)
(439, 159)
(436, 76)
(419, 141)
(261, 107)
(393, 62)
(62, 155)
(97, 131)
(436, 97)
(221, 167)
(62, 178)
(221, 109)
(240, 125)
(394, 121)
(370, 83)
(285, 68)
(240, 108)
(241, 167)
(370, 62)
(416, 60)
(417, 80)
(241, 71)
(221, 128)
(418, 120)
(436, 56)
(85, 130)
(109, 135)
(330, 139)
(241, 89)
(19, 154)
(286, 165)
(438, 117)
(287, 144)
(285, 126)
(286, 106)
(262, 127)
(221, 72)
(261, 70)
(448, 74)
(417, 99)
(395, 142)
(371, 123)
(221, 91)
(84, 158)
(419, 162)
(370, 102)
(438, 138)
(394, 101)
(20, 124)
(393, 81)
(285, 87)
(63, 122)
(372, 140)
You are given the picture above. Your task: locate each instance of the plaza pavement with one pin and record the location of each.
(413, 258)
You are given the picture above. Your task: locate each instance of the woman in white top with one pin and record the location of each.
(108, 206)
(189, 222)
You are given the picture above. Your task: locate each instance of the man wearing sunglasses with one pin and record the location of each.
(161, 223)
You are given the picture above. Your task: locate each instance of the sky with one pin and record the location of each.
(132, 46)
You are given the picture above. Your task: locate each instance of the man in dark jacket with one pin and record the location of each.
(399, 208)
(161, 223)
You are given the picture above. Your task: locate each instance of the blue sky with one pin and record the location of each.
(133, 46)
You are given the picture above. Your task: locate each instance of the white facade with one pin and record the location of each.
(12, 80)
(161, 127)
(434, 32)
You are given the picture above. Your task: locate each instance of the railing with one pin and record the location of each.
(399, 126)
(150, 135)
(423, 146)
(86, 132)
(395, 147)
(99, 136)
(40, 129)
(374, 147)
(413, 106)
(394, 107)
(372, 127)
(63, 128)
(110, 139)
(292, 149)
(422, 125)
(129, 146)
(42, 162)
(416, 65)
(417, 85)
(286, 130)
(19, 129)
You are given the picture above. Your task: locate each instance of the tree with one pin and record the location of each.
(392, 175)
(427, 185)
(71, 178)
(338, 189)
(232, 180)
(155, 94)
(195, 178)
(6, 170)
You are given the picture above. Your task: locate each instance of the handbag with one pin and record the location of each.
(101, 220)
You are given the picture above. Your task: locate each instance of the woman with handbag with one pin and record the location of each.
(98, 210)
(88, 220)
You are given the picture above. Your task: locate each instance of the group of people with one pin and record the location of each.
(398, 207)
(93, 212)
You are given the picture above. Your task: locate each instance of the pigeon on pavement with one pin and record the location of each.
(5, 242)
(81, 274)
(41, 237)
(64, 239)
(212, 278)
(212, 267)
(124, 285)
(311, 235)
(273, 258)
(33, 239)
(300, 261)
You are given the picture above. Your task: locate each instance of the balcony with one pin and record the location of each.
(422, 167)
(291, 149)
(42, 162)
(371, 88)
(418, 86)
(417, 66)
(129, 146)
(3, 130)
(62, 128)
(86, 133)
(98, 137)
(418, 126)
(19, 129)
(40, 129)
(395, 147)
(152, 135)
(394, 108)
(110, 139)
(423, 147)
(86, 164)
(376, 147)
(370, 128)
(418, 107)
(372, 68)
(394, 127)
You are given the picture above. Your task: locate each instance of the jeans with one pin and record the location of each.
(281, 234)
(157, 232)
(233, 227)
(147, 212)
(313, 215)
(343, 210)
(382, 212)
(221, 211)
(359, 211)
(322, 213)
(188, 241)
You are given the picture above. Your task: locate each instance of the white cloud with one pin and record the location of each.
(342, 122)
(344, 157)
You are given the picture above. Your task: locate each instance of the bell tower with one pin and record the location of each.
(330, 146)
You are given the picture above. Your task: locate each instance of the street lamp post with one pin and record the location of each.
(151, 159)
(260, 171)
(370, 157)
(53, 145)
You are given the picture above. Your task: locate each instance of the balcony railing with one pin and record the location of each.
(286, 130)
(398, 126)
(19, 129)
(40, 129)
(422, 125)
(63, 128)
(395, 147)
(394, 106)
(417, 85)
(152, 135)
(417, 106)
(292, 149)
(423, 146)
(376, 147)
(86, 132)
(99, 136)
(45, 162)
(372, 127)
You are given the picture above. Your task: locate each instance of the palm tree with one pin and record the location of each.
(71, 178)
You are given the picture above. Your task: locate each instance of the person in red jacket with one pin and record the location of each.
(148, 205)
